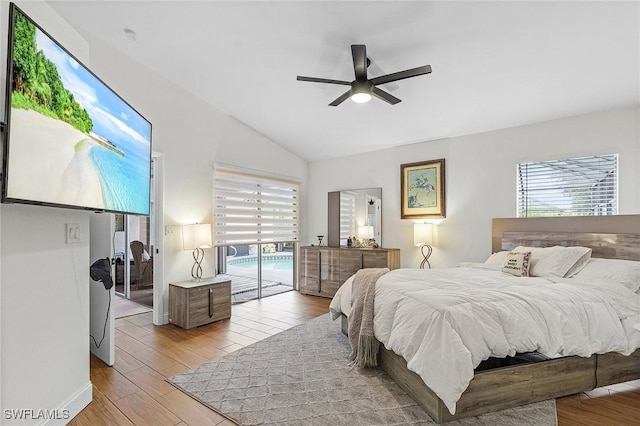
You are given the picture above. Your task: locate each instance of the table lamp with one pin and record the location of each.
(197, 237)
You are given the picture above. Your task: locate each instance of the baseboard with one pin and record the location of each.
(72, 406)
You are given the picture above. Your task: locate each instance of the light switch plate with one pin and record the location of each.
(73, 233)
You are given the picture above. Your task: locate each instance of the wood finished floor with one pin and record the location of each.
(134, 391)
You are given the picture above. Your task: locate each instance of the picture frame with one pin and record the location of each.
(422, 186)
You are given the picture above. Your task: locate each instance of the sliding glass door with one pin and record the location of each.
(258, 270)
(256, 232)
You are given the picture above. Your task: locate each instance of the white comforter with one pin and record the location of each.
(444, 322)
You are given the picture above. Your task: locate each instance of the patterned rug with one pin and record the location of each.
(300, 377)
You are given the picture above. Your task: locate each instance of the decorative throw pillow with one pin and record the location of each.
(517, 264)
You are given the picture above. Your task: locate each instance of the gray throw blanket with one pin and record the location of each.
(364, 346)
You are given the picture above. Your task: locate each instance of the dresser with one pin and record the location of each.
(195, 303)
(324, 269)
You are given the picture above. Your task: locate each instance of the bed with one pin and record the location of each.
(510, 379)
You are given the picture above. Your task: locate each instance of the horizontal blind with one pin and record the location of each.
(250, 209)
(347, 216)
(585, 186)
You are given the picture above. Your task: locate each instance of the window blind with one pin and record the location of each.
(347, 216)
(250, 209)
(585, 186)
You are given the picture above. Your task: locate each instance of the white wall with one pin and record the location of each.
(44, 313)
(480, 179)
(45, 309)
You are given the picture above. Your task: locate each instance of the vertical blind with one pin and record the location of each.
(585, 186)
(250, 209)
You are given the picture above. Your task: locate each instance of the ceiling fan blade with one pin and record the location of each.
(401, 75)
(387, 97)
(323, 80)
(375, 69)
(359, 53)
(341, 98)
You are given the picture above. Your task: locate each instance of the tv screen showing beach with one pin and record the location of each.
(72, 141)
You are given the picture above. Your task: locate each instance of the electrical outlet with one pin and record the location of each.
(73, 233)
(170, 229)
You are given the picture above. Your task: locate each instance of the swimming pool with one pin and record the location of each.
(278, 262)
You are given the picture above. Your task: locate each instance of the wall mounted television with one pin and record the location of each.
(69, 140)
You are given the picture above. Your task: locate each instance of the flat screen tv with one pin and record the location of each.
(70, 141)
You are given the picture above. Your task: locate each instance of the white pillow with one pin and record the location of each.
(497, 258)
(625, 272)
(556, 261)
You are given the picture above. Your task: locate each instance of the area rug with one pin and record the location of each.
(301, 377)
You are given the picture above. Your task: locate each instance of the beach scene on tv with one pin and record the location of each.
(73, 141)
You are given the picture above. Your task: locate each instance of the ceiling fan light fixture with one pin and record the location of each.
(361, 97)
(364, 88)
(361, 91)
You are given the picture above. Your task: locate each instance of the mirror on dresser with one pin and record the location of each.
(354, 212)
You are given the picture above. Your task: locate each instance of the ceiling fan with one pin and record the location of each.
(362, 88)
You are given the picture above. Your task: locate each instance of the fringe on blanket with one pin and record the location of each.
(366, 354)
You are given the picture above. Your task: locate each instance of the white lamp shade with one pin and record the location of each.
(365, 232)
(422, 233)
(196, 236)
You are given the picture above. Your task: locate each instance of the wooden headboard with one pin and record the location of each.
(611, 237)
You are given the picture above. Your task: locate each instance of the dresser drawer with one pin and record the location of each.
(375, 259)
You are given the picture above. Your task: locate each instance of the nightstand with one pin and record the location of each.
(195, 303)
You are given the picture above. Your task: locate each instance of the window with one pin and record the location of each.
(586, 186)
(252, 209)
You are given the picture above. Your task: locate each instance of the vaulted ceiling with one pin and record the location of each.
(495, 64)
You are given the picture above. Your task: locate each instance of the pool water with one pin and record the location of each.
(278, 263)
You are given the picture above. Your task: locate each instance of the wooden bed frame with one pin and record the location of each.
(491, 390)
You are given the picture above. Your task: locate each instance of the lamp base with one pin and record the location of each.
(425, 255)
(196, 269)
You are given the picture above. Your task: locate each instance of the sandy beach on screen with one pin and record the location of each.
(49, 162)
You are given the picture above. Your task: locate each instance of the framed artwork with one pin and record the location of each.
(422, 189)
